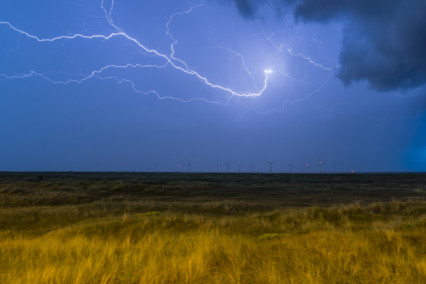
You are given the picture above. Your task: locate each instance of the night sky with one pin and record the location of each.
(176, 85)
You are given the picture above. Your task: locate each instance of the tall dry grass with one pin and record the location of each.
(380, 243)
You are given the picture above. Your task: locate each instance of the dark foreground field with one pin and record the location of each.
(212, 228)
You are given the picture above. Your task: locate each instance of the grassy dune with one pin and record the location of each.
(95, 231)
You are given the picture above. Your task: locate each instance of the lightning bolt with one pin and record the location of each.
(288, 101)
(169, 60)
(170, 35)
(285, 47)
(243, 63)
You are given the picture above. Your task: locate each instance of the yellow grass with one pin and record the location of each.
(382, 243)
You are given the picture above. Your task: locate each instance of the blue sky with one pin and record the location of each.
(144, 85)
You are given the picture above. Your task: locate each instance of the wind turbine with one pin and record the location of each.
(252, 167)
(334, 166)
(271, 163)
(217, 166)
(227, 164)
(320, 163)
(308, 166)
(188, 167)
(291, 165)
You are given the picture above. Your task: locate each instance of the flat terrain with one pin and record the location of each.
(198, 192)
(212, 228)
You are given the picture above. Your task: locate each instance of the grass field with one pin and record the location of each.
(212, 228)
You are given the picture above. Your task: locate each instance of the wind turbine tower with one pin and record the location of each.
(227, 164)
(271, 163)
(291, 166)
(308, 166)
(252, 167)
(188, 167)
(320, 163)
(334, 166)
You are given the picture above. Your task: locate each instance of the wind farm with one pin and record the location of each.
(212, 141)
(227, 167)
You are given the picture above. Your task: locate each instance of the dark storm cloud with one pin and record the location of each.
(384, 40)
(247, 8)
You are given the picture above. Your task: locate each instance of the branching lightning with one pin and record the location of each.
(285, 47)
(243, 63)
(168, 60)
(170, 35)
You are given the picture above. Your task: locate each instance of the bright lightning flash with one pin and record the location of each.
(169, 60)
